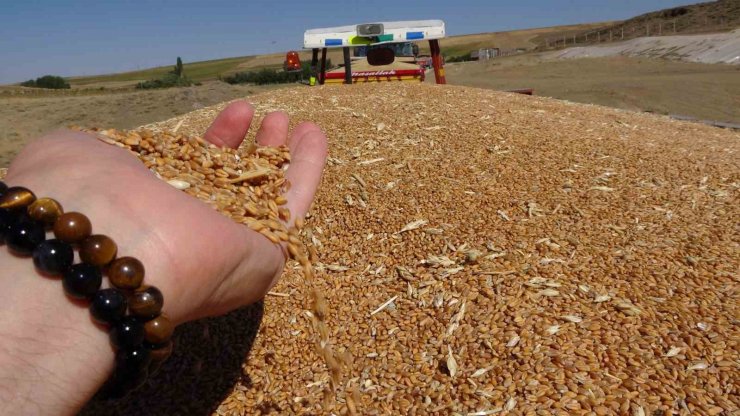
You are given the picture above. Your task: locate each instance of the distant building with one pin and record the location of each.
(484, 54)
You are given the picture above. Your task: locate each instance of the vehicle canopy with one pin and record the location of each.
(374, 33)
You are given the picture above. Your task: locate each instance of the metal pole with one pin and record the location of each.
(347, 66)
(322, 73)
(314, 67)
(439, 71)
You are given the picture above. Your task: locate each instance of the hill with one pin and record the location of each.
(515, 39)
(708, 48)
(709, 17)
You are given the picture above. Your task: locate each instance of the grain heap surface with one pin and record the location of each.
(486, 253)
(537, 255)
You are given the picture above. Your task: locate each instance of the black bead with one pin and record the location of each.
(82, 280)
(3, 188)
(24, 235)
(6, 219)
(121, 383)
(127, 333)
(132, 360)
(53, 256)
(108, 305)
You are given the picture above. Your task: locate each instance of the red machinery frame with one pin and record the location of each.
(437, 64)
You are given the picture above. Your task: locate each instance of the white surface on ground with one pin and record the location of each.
(710, 48)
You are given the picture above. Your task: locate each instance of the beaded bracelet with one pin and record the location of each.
(141, 337)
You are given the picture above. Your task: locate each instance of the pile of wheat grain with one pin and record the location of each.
(486, 253)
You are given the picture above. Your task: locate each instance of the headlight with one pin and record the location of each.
(370, 29)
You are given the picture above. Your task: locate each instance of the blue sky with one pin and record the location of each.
(95, 37)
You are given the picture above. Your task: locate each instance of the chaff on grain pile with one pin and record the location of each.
(573, 260)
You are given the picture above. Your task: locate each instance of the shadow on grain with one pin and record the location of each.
(205, 365)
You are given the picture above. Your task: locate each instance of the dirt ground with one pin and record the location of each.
(703, 91)
(24, 118)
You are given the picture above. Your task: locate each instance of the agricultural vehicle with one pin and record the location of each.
(377, 45)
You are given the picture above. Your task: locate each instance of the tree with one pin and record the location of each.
(174, 78)
(47, 81)
(178, 68)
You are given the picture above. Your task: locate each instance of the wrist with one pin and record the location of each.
(53, 357)
(111, 211)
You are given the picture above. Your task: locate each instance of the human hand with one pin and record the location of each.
(203, 262)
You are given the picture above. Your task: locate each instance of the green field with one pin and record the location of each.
(197, 71)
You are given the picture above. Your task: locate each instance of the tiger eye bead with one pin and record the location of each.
(45, 210)
(146, 303)
(126, 273)
(17, 197)
(72, 227)
(158, 330)
(98, 250)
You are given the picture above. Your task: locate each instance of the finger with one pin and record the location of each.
(231, 125)
(273, 130)
(308, 157)
(299, 131)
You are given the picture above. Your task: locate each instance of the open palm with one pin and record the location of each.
(204, 263)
